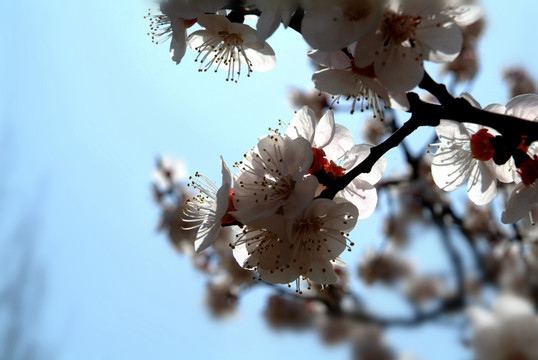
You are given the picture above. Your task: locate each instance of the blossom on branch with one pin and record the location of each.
(525, 195)
(466, 155)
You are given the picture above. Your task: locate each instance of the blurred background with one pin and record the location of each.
(87, 104)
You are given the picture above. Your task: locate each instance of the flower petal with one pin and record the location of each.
(303, 124)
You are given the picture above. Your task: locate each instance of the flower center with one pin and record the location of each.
(323, 169)
(398, 28)
(481, 146)
(283, 188)
(306, 228)
(224, 49)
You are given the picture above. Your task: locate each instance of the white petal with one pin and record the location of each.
(322, 273)
(401, 70)
(450, 130)
(341, 142)
(326, 28)
(356, 155)
(325, 130)
(520, 202)
(298, 156)
(496, 108)
(523, 106)
(330, 59)
(440, 43)
(178, 44)
(450, 166)
(471, 100)
(361, 194)
(262, 57)
(508, 306)
(342, 211)
(366, 48)
(504, 173)
(466, 15)
(335, 82)
(198, 38)
(214, 23)
(303, 124)
(267, 24)
(481, 186)
(240, 253)
(301, 197)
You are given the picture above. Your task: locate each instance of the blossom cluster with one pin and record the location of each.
(480, 156)
(288, 231)
(370, 51)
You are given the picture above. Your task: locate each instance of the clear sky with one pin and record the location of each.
(87, 102)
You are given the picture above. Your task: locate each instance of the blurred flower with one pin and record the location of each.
(169, 172)
(420, 289)
(368, 344)
(508, 331)
(315, 100)
(289, 312)
(519, 80)
(386, 267)
(471, 22)
(395, 227)
(222, 296)
(172, 223)
(375, 131)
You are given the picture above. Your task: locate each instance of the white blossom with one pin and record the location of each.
(272, 178)
(410, 32)
(465, 154)
(207, 209)
(284, 249)
(228, 45)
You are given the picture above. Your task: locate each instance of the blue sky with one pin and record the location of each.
(87, 102)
